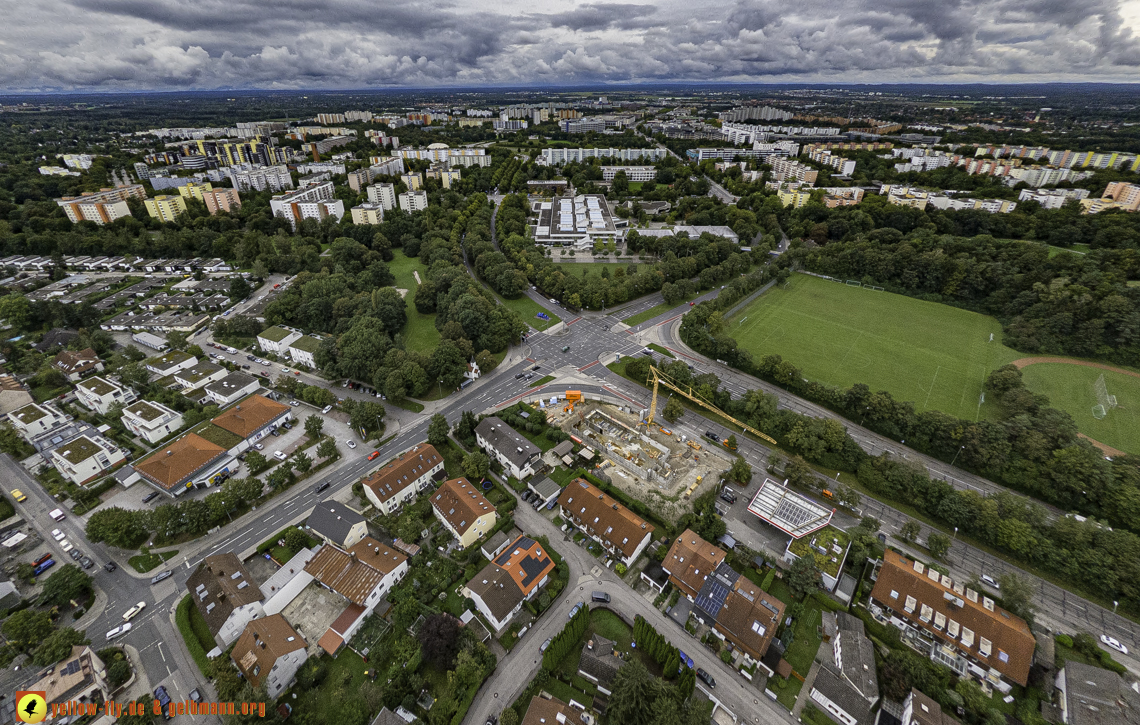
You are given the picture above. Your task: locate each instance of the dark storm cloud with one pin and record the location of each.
(77, 44)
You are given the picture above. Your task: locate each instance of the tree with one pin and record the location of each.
(256, 462)
(509, 717)
(634, 691)
(67, 583)
(57, 645)
(177, 340)
(1017, 596)
(302, 462)
(740, 472)
(848, 496)
(239, 289)
(327, 448)
(802, 576)
(439, 640)
(476, 465)
(465, 428)
(438, 430)
(673, 410)
(26, 628)
(313, 426)
(910, 531)
(295, 540)
(117, 527)
(731, 442)
(938, 544)
(620, 183)
(144, 712)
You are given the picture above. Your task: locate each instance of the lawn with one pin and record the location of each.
(1070, 388)
(420, 334)
(658, 310)
(933, 355)
(589, 269)
(144, 563)
(542, 381)
(658, 348)
(528, 308)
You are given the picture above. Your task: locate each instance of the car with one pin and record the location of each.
(520, 376)
(553, 301)
(565, 348)
(991, 581)
(284, 370)
(42, 559)
(74, 553)
(350, 443)
(251, 358)
(692, 303)
(245, 367)
(600, 597)
(162, 697)
(86, 562)
(727, 496)
(195, 695)
(58, 535)
(326, 409)
(57, 515)
(545, 644)
(41, 568)
(294, 403)
(19, 495)
(529, 376)
(1114, 643)
(263, 362)
(160, 576)
(110, 566)
(323, 485)
(119, 631)
(274, 432)
(577, 606)
(712, 436)
(296, 372)
(279, 455)
(373, 455)
(706, 678)
(150, 497)
(259, 446)
(134, 611)
(526, 495)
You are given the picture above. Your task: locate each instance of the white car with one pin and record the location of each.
(350, 443)
(263, 362)
(259, 446)
(119, 631)
(66, 546)
(134, 611)
(284, 370)
(58, 535)
(1114, 643)
(326, 409)
(279, 455)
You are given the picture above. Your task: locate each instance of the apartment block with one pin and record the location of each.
(518, 456)
(398, 482)
(331, 119)
(221, 200)
(1052, 198)
(633, 173)
(165, 208)
(414, 201)
(150, 420)
(99, 394)
(86, 457)
(845, 167)
(794, 198)
(993, 206)
(103, 206)
(195, 190)
(312, 202)
(788, 169)
(246, 177)
(367, 213)
(384, 195)
(443, 174)
(33, 421)
(386, 165)
(413, 180)
(1126, 195)
(557, 157)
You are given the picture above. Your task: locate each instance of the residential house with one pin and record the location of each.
(690, 561)
(738, 611)
(951, 623)
(170, 363)
(917, 709)
(363, 573)
(77, 364)
(277, 339)
(831, 694)
(464, 510)
(398, 482)
(54, 339)
(226, 596)
(33, 421)
(152, 421)
(1090, 695)
(81, 676)
(231, 388)
(9, 595)
(187, 463)
(86, 458)
(13, 394)
(269, 652)
(252, 419)
(599, 663)
(511, 578)
(848, 687)
(551, 711)
(621, 532)
(303, 349)
(494, 546)
(335, 523)
(518, 456)
(201, 374)
(99, 394)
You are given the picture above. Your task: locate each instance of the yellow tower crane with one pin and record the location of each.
(659, 377)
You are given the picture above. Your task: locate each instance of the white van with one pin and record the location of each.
(57, 514)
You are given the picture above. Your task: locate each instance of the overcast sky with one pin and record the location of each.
(202, 44)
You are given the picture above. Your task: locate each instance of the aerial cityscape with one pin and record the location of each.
(588, 364)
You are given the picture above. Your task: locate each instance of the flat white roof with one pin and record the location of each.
(788, 511)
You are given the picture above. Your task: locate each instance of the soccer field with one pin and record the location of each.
(1070, 388)
(930, 354)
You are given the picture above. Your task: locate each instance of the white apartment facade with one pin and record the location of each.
(414, 201)
(633, 173)
(313, 202)
(384, 195)
(32, 421)
(277, 339)
(151, 421)
(99, 394)
(86, 458)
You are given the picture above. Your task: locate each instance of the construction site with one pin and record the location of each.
(649, 462)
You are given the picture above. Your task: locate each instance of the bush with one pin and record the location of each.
(621, 569)
(1065, 640)
(119, 672)
(726, 657)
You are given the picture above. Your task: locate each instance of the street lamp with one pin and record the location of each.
(441, 387)
(231, 518)
(956, 455)
(1114, 603)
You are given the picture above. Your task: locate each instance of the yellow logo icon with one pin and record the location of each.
(31, 707)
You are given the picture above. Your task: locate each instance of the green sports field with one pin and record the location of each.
(933, 355)
(1070, 388)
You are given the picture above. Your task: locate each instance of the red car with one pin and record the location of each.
(692, 303)
(296, 373)
(372, 456)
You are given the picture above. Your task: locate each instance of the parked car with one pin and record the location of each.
(195, 695)
(991, 581)
(350, 443)
(161, 696)
(706, 678)
(259, 446)
(294, 403)
(75, 554)
(159, 577)
(577, 606)
(86, 562)
(42, 559)
(66, 546)
(728, 496)
(326, 409)
(600, 597)
(545, 644)
(526, 495)
(150, 497)
(110, 566)
(57, 514)
(119, 631)
(58, 535)
(41, 568)
(134, 611)
(279, 455)
(1114, 643)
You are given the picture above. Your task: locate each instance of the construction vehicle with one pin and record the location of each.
(694, 445)
(573, 396)
(665, 431)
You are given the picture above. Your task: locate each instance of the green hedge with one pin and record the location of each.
(193, 644)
